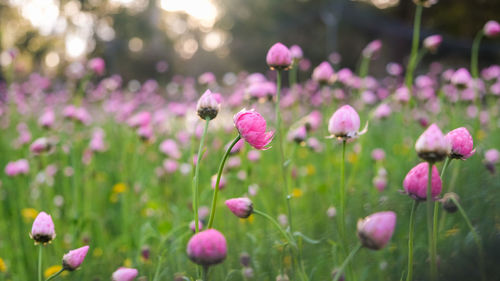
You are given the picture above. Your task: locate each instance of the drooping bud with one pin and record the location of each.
(432, 43)
(448, 202)
(74, 258)
(376, 230)
(241, 207)
(491, 29)
(415, 182)
(124, 274)
(462, 145)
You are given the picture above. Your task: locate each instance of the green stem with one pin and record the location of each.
(157, 271)
(219, 174)
(411, 234)
(292, 74)
(474, 69)
(205, 273)
(414, 48)
(55, 274)
(342, 194)
(445, 165)
(279, 131)
(476, 236)
(287, 236)
(196, 179)
(364, 66)
(40, 262)
(432, 249)
(346, 261)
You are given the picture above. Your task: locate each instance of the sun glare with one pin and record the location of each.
(204, 11)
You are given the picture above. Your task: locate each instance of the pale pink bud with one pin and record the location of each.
(207, 78)
(296, 52)
(170, 148)
(97, 65)
(432, 146)
(74, 258)
(207, 247)
(140, 119)
(376, 230)
(492, 156)
(382, 111)
(47, 119)
(40, 145)
(415, 182)
(124, 274)
(253, 155)
(344, 123)
(402, 94)
(313, 120)
(43, 230)
(170, 166)
(298, 135)
(432, 42)
(462, 145)
(279, 57)
(241, 207)
(208, 107)
(461, 78)
(192, 225)
(491, 29)
(222, 182)
(372, 49)
(378, 154)
(252, 128)
(323, 73)
(380, 183)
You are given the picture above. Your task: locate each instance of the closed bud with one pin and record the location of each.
(432, 146)
(376, 230)
(207, 247)
(448, 202)
(73, 259)
(43, 230)
(245, 259)
(208, 107)
(491, 29)
(242, 207)
(279, 57)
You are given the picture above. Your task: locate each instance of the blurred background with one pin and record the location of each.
(142, 39)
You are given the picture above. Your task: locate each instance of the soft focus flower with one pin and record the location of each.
(462, 145)
(372, 49)
(124, 274)
(97, 65)
(323, 73)
(461, 78)
(492, 156)
(241, 207)
(47, 119)
(43, 230)
(432, 146)
(207, 247)
(279, 57)
(74, 258)
(296, 52)
(344, 123)
(208, 107)
(491, 29)
(18, 167)
(448, 202)
(140, 119)
(192, 225)
(252, 128)
(376, 230)
(40, 145)
(378, 154)
(298, 135)
(432, 42)
(415, 182)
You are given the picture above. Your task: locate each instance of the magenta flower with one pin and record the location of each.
(252, 128)
(415, 182)
(18, 167)
(461, 78)
(432, 146)
(207, 247)
(378, 154)
(208, 106)
(241, 207)
(372, 49)
(47, 119)
(462, 145)
(491, 29)
(432, 43)
(97, 65)
(43, 230)
(298, 135)
(344, 123)
(40, 145)
(140, 119)
(279, 57)
(296, 52)
(124, 274)
(323, 73)
(192, 225)
(74, 258)
(376, 230)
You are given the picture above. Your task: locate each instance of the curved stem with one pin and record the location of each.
(432, 249)
(196, 179)
(477, 238)
(346, 261)
(411, 234)
(414, 48)
(55, 274)
(445, 165)
(219, 174)
(287, 236)
(40, 250)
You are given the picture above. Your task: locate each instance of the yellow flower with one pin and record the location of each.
(29, 214)
(127, 263)
(97, 252)
(352, 157)
(52, 270)
(311, 170)
(120, 188)
(249, 219)
(481, 135)
(297, 193)
(3, 266)
(451, 232)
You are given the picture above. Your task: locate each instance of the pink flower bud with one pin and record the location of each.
(124, 274)
(97, 65)
(432, 146)
(40, 145)
(240, 207)
(344, 123)
(74, 258)
(378, 154)
(298, 135)
(491, 29)
(372, 49)
(492, 156)
(323, 73)
(253, 155)
(43, 230)
(296, 52)
(252, 128)
(461, 78)
(462, 145)
(432, 43)
(376, 230)
(402, 94)
(192, 225)
(279, 57)
(207, 247)
(140, 119)
(208, 107)
(47, 119)
(415, 182)
(170, 148)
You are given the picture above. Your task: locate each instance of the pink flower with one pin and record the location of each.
(313, 120)
(170, 166)
(415, 182)
(372, 49)
(192, 225)
(170, 148)
(73, 259)
(382, 111)
(241, 207)
(378, 154)
(296, 52)
(15, 168)
(491, 29)
(376, 230)
(344, 123)
(207, 247)
(432, 145)
(298, 135)
(140, 119)
(402, 94)
(208, 107)
(323, 73)
(97, 65)
(124, 274)
(252, 128)
(462, 145)
(279, 57)
(492, 156)
(43, 230)
(39, 146)
(461, 78)
(432, 42)
(47, 119)
(253, 155)
(222, 182)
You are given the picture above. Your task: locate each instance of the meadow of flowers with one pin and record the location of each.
(295, 173)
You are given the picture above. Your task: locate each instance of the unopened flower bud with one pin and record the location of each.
(448, 202)
(73, 259)
(208, 107)
(242, 207)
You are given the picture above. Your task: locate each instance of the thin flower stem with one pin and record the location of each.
(219, 174)
(346, 261)
(411, 234)
(40, 250)
(205, 273)
(55, 274)
(414, 48)
(279, 131)
(286, 235)
(432, 249)
(476, 236)
(157, 271)
(196, 179)
(474, 69)
(342, 194)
